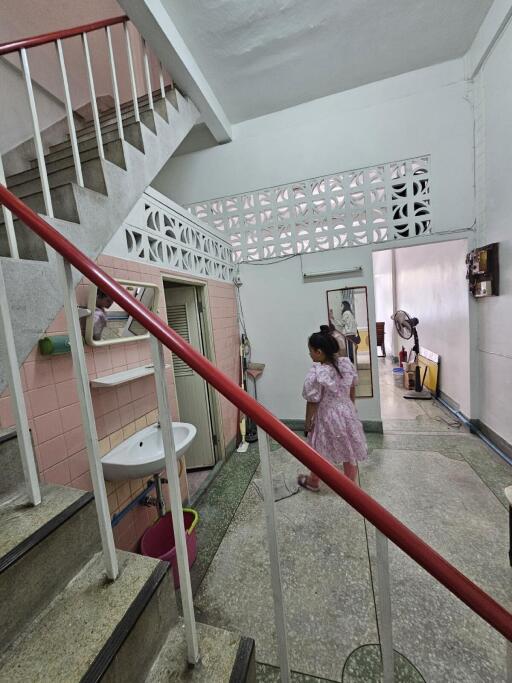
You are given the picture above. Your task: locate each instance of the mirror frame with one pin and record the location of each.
(91, 305)
(341, 289)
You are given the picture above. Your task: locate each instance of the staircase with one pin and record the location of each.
(62, 621)
(88, 215)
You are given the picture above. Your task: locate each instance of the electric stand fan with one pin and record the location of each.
(406, 328)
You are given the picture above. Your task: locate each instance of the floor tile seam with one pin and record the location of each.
(299, 673)
(483, 481)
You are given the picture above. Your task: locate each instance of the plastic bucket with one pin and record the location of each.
(398, 376)
(158, 541)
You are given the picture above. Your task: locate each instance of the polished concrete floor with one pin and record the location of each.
(435, 477)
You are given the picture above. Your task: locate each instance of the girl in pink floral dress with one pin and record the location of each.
(334, 429)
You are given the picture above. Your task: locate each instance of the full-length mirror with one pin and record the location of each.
(108, 323)
(348, 313)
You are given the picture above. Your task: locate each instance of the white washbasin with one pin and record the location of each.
(142, 454)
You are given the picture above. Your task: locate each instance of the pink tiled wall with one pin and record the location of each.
(54, 411)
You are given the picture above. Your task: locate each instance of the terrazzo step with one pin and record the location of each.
(97, 629)
(225, 656)
(30, 246)
(63, 202)
(10, 462)
(41, 549)
(170, 94)
(109, 122)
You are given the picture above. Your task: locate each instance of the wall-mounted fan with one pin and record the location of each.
(406, 328)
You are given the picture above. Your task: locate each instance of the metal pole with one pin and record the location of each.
(88, 421)
(41, 163)
(161, 79)
(12, 370)
(92, 93)
(131, 71)
(147, 73)
(273, 547)
(115, 89)
(384, 603)
(8, 221)
(69, 114)
(171, 466)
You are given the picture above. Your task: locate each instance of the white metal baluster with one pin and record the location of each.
(69, 114)
(88, 422)
(171, 466)
(133, 84)
(161, 79)
(92, 94)
(147, 73)
(385, 617)
(115, 88)
(12, 371)
(8, 221)
(37, 134)
(273, 547)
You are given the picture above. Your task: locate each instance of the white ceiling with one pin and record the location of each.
(261, 56)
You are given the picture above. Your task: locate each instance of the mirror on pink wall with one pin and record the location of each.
(348, 314)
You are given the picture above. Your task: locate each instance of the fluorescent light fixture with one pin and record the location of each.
(332, 274)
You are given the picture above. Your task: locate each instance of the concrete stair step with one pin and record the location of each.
(142, 102)
(10, 461)
(96, 629)
(132, 134)
(41, 549)
(63, 201)
(113, 153)
(225, 656)
(92, 171)
(110, 122)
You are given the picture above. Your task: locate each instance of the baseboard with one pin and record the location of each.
(450, 401)
(369, 426)
(496, 439)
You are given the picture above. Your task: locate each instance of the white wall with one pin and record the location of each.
(431, 285)
(495, 315)
(424, 112)
(384, 309)
(281, 311)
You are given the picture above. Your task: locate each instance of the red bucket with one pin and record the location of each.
(158, 541)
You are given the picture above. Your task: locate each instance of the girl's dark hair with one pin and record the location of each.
(345, 306)
(324, 341)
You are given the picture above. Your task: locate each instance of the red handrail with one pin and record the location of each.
(456, 582)
(6, 48)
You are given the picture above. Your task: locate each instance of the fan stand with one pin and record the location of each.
(419, 393)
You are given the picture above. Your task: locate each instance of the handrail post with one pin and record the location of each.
(92, 93)
(41, 163)
(69, 114)
(115, 88)
(273, 547)
(88, 421)
(8, 221)
(171, 466)
(131, 72)
(384, 603)
(12, 371)
(147, 73)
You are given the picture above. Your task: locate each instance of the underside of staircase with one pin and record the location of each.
(89, 216)
(63, 621)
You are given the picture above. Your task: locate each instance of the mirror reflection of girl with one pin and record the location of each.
(332, 423)
(103, 301)
(348, 327)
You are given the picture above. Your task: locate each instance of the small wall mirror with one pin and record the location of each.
(348, 312)
(109, 324)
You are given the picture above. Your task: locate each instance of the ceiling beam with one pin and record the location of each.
(156, 26)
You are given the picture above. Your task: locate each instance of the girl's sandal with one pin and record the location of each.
(303, 480)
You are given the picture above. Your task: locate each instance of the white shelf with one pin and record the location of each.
(123, 377)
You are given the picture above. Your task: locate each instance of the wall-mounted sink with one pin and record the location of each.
(142, 454)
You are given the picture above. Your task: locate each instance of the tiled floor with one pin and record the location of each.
(441, 481)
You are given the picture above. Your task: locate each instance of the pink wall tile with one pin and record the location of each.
(62, 368)
(83, 482)
(42, 400)
(48, 426)
(59, 474)
(75, 440)
(78, 464)
(71, 417)
(67, 393)
(124, 395)
(38, 373)
(52, 452)
(6, 414)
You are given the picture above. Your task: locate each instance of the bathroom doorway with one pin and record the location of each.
(186, 314)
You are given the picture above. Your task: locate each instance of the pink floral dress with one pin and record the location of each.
(337, 431)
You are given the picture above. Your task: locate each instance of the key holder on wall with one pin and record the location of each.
(483, 272)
